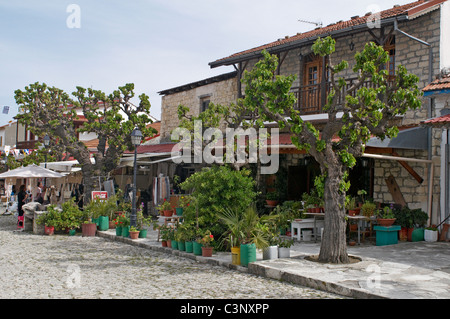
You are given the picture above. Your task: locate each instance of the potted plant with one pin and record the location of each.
(88, 228)
(284, 247)
(404, 218)
(206, 242)
(431, 234)
(70, 217)
(165, 208)
(420, 219)
(271, 251)
(197, 243)
(272, 198)
(50, 220)
(386, 217)
(368, 209)
(134, 232)
(183, 202)
(352, 208)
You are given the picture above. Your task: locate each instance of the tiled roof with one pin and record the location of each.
(442, 83)
(438, 121)
(413, 8)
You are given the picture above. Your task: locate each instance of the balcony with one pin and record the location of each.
(312, 98)
(23, 145)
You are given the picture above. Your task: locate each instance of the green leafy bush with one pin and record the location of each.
(214, 188)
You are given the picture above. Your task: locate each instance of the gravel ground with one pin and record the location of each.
(75, 267)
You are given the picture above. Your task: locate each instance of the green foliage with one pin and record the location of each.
(49, 110)
(51, 218)
(71, 216)
(245, 227)
(368, 209)
(386, 213)
(214, 188)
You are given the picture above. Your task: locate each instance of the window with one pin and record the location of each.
(204, 103)
(390, 48)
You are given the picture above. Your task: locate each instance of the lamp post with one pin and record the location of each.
(46, 145)
(136, 137)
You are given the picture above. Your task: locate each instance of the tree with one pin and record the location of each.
(354, 115)
(49, 110)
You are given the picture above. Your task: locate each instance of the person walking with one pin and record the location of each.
(21, 200)
(39, 194)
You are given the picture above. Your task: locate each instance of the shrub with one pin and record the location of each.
(214, 188)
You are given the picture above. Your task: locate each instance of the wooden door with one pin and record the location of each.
(311, 82)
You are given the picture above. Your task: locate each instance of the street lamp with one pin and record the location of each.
(136, 137)
(46, 145)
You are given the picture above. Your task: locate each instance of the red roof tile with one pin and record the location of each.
(438, 84)
(411, 8)
(444, 119)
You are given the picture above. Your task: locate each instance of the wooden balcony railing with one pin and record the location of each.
(312, 98)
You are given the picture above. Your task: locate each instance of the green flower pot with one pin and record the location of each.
(179, 211)
(118, 231)
(181, 246)
(189, 245)
(103, 223)
(143, 233)
(126, 231)
(248, 254)
(174, 244)
(72, 232)
(197, 248)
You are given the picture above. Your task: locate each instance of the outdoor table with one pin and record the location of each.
(313, 223)
(359, 219)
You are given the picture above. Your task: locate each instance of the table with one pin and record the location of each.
(358, 218)
(299, 224)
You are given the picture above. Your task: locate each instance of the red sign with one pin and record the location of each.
(99, 195)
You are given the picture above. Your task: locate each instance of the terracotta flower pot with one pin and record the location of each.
(207, 251)
(385, 222)
(134, 234)
(164, 243)
(271, 202)
(168, 213)
(88, 230)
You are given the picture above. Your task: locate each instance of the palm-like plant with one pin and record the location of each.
(246, 227)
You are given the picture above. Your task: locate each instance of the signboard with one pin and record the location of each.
(99, 195)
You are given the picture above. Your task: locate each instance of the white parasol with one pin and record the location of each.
(31, 171)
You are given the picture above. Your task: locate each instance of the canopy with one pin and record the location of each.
(414, 138)
(30, 171)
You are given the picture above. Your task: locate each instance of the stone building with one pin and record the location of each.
(415, 35)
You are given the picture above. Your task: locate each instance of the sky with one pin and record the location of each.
(155, 44)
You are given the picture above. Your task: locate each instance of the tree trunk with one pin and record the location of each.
(333, 247)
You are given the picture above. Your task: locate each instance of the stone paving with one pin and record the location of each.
(62, 266)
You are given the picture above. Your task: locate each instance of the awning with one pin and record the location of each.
(414, 139)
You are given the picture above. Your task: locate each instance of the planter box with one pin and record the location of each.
(88, 230)
(270, 252)
(430, 235)
(284, 252)
(386, 235)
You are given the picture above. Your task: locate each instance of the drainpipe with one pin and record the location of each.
(429, 109)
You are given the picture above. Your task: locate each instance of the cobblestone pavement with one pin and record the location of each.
(62, 266)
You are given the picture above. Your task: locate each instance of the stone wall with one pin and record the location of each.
(224, 92)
